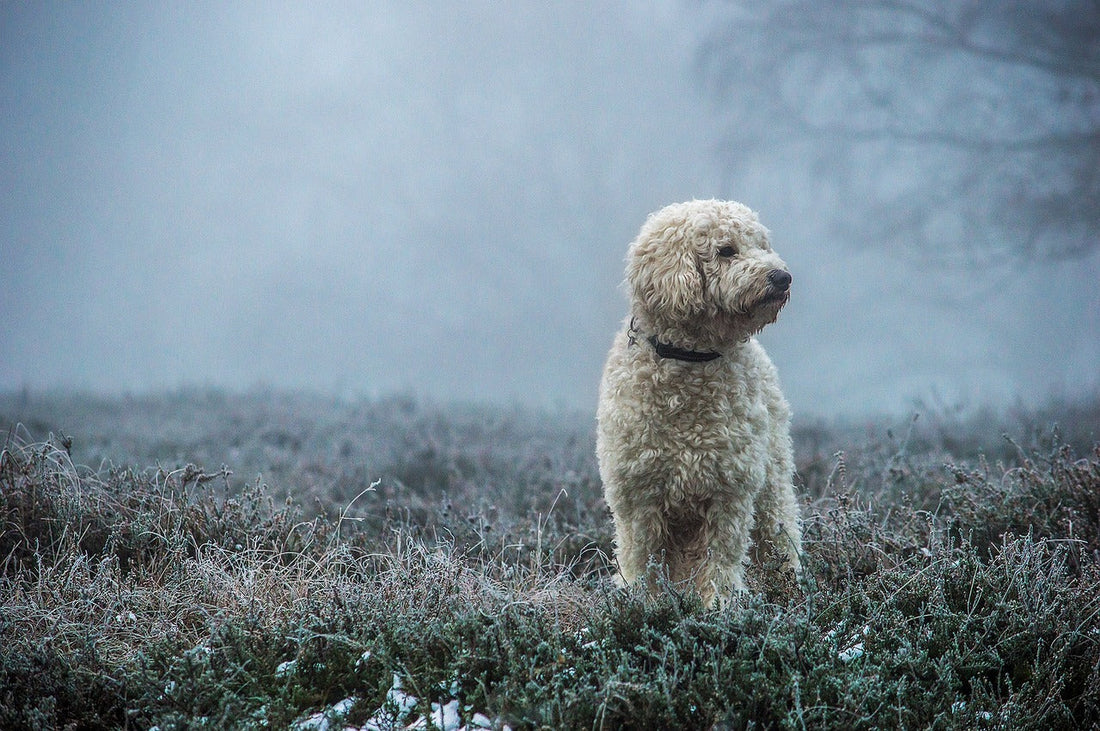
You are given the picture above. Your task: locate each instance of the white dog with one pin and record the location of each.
(694, 433)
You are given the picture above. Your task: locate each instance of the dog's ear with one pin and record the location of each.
(664, 275)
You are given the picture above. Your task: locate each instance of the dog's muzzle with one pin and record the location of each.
(780, 279)
(779, 287)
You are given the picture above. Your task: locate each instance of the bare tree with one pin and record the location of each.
(969, 125)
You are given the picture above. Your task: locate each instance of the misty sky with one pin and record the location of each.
(436, 198)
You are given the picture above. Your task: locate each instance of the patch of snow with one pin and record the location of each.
(851, 653)
(316, 722)
(446, 717)
(344, 706)
(394, 711)
(854, 646)
(325, 720)
(397, 713)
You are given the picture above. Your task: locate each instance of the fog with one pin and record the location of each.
(436, 198)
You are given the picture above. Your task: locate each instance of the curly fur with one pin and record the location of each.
(696, 457)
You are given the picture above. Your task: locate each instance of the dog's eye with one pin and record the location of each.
(727, 252)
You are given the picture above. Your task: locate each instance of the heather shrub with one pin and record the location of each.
(394, 555)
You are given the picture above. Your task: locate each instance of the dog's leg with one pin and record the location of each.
(777, 511)
(721, 576)
(639, 540)
(624, 542)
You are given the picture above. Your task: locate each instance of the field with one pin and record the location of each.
(208, 559)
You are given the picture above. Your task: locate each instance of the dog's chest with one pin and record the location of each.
(707, 436)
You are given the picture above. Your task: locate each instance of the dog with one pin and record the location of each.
(693, 431)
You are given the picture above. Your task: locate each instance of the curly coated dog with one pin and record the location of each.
(693, 431)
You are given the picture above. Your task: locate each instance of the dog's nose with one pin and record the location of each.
(780, 279)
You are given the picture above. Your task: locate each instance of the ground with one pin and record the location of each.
(950, 580)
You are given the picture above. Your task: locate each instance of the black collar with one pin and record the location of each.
(664, 350)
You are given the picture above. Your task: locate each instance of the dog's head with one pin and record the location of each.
(706, 269)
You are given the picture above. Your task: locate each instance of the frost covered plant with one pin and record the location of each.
(957, 596)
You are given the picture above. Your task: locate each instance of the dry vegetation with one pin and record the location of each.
(953, 574)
